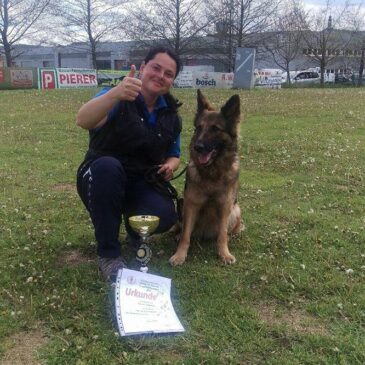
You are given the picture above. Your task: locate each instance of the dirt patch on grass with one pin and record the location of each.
(294, 319)
(73, 258)
(22, 348)
(64, 187)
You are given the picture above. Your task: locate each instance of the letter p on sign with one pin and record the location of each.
(48, 80)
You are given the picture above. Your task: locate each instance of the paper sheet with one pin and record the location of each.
(143, 304)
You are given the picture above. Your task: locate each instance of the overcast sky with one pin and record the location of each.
(323, 2)
(337, 6)
(318, 3)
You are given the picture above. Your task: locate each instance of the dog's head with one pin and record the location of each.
(215, 131)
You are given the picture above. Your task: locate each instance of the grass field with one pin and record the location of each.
(296, 294)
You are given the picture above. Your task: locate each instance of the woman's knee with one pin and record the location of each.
(164, 208)
(167, 221)
(106, 178)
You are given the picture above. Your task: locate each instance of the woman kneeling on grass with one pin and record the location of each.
(133, 127)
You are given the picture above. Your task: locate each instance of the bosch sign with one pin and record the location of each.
(202, 82)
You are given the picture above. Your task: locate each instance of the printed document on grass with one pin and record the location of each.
(143, 304)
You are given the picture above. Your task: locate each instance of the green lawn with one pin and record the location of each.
(297, 292)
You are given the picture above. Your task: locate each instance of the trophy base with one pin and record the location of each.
(144, 254)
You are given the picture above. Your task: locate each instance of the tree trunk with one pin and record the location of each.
(361, 69)
(4, 34)
(230, 42)
(240, 29)
(287, 69)
(7, 51)
(90, 35)
(93, 54)
(177, 27)
(323, 69)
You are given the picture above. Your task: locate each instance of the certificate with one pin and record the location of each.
(143, 304)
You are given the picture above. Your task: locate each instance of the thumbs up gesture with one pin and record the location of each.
(129, 87)
(132, 71)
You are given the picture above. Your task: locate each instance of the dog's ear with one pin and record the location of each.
(203, 103)
(231, 109)
(231, 113)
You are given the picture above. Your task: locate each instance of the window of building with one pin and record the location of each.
(190, 62)
(103, 64)
(26, 64)
(47, 63)
(119, 64)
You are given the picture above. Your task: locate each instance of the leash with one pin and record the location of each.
(165, 187)
(158, 182)
(180, 173)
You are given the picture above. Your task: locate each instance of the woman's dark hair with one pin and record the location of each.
(162, 49)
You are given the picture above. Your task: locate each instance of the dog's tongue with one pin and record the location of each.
(204, 158)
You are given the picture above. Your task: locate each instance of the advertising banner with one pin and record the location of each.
(75, 77)
(212, 79)
(268, 78)
(201, 79)
(18, 78)
(22, 79)
(184, 79)
(110, 77)
(47, 78)
(60, 78)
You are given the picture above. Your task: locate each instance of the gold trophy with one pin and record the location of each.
(144, 226)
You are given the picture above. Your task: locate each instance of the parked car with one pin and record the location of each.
(284, 76)
(342, 79)
(307, 78)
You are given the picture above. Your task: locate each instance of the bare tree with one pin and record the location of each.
(179, 24)
(88, 22)
(18, 21)
(326, 39)
(284, 42)
(361, 66)
(356, 20)
(242, 23)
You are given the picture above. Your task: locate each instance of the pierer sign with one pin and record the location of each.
(73, 77)
(57, 78)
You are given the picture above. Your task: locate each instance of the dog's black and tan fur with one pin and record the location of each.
(210, 208)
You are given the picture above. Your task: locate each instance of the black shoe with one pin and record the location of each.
(109, 267)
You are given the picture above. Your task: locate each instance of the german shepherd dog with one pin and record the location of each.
(210, 209)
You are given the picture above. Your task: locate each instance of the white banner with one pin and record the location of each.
(268, 78)
(200, 79)
(213, 79)
(184, 79)
(76, 77)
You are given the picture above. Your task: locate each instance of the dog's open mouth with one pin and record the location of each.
(206, 158)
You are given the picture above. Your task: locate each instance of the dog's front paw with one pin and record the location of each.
(228, 258)
(177, 259)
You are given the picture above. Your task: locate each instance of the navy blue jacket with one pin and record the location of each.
(131, 139)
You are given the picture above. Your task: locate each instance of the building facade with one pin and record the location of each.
(120, 55)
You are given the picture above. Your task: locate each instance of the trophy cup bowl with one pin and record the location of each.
(144, 225)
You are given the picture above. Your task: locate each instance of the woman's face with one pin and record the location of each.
(158, 74)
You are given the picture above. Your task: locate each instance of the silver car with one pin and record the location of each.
(307, 78)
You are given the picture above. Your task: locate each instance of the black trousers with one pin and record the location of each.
(111, 195)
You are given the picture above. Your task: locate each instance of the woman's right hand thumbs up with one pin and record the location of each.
(129, 88)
